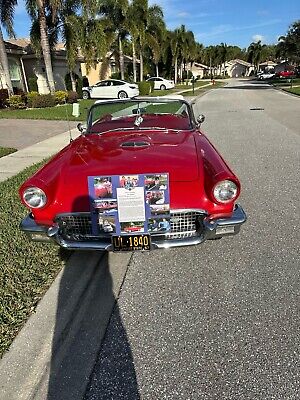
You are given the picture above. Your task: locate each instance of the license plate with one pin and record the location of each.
(131, 242)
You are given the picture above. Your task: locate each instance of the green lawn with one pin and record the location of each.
(295, 90)
(27, 269)
(200, 91)
(4, 151)
(63, 112)
(285, 82)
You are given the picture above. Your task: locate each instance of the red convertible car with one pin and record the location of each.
(138, 137)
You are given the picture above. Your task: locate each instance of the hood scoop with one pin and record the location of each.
(133, 144)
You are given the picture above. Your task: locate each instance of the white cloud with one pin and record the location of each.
(257, 38)
(183, 14)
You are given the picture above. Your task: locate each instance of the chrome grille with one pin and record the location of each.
(79, 226)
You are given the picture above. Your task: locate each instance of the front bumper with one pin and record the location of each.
(213, 229)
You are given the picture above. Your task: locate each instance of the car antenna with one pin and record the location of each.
(68, 120)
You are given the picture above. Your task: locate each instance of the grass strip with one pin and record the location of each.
(62, 112)
(27, 269)
(5, 151)
(295, 90)
(202, 90)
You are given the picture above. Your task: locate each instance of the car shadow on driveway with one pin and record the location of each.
(91, 355)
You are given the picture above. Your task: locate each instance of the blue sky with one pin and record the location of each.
(233, 22)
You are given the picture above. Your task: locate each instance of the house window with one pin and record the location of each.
(15, 73)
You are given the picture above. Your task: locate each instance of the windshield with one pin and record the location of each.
(140, 114)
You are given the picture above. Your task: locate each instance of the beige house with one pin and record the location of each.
(24, 64)
(105, 68)
(238, 68)
(199, 70)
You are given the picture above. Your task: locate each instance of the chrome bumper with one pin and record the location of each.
(214, 229)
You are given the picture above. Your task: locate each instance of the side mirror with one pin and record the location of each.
(81, 128)
(200, 119)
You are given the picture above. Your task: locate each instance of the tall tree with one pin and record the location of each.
(41, 13)
(116, 12)
(255, 53)
(7, 8)
(156, 32)
(289, 45)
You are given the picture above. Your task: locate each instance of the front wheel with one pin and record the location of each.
(163, 87)
(85, 95)
(122, 95)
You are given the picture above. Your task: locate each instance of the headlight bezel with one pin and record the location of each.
(34, 192)
(230, 186)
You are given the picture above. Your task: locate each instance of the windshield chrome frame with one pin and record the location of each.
(140, 99)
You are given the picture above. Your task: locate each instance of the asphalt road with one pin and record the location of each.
(221, 320)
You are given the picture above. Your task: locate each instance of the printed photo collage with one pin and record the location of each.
(129, 204)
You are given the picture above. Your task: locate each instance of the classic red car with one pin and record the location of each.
(287, 73)
(143, 137)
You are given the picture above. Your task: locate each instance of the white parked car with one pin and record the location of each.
(110, 89)
(266, 75)
(161, 83)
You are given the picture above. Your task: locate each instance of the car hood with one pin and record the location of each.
(118, 153)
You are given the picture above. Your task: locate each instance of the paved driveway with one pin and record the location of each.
(21, 133)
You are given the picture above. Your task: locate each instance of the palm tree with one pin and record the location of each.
(116, 12)
(255, 53)
(42, 12)
(175, 37)
(156, 32)
(7, 8)
(289, 45)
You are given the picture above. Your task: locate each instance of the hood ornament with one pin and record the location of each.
(139, 119)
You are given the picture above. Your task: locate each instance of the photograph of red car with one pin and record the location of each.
(103, 187)
(160, 209)
(132, 227)
(155, 197)
(106, 205)
(156, 182)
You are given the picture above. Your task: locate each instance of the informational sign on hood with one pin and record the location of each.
(127, 204)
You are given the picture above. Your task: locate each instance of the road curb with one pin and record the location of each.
(54, 354)
(14, 163)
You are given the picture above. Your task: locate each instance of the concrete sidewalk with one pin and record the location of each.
(14, 163)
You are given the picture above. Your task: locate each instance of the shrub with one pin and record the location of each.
(60, 96)
(16, 101)
(32, 84)
(144, 88)
(29, 98)
(115, 75)
(72, 97)
(3, 97)
(43, 100)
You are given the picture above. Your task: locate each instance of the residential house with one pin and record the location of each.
(34, 66)
(104, 68)
(238, 68)
(267, 66)
(15, 55)
(199, 70)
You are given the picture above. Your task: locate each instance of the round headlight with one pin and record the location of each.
(34, 197)
(225, 191)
